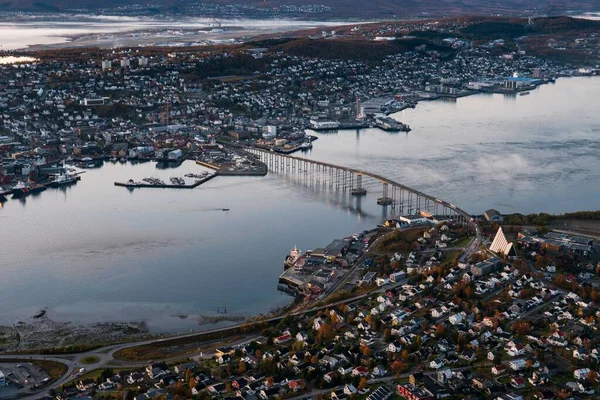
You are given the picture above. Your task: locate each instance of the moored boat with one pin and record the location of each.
(24, 189)
(291, 258)
(64, 179)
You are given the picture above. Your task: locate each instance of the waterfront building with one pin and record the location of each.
(323, 124)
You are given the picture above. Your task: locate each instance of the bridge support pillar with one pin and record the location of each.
(359, 190)
(385, 200)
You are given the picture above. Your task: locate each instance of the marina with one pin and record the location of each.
(175, 182)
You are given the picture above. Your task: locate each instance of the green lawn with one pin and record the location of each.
(450, 256)
(89, 360)
(462, 242)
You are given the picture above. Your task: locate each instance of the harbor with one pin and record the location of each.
(316, 273)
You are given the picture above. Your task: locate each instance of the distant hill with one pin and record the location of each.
(493, 28)
(339, 8)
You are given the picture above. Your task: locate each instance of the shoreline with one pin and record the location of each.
(177, 32)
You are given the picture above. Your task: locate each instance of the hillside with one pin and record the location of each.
(338, 8)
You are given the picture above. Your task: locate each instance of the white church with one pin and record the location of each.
(501, 246)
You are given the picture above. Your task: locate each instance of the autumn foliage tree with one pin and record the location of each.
(521, 327)
(398, 367)
(325, 333)
(363, 383)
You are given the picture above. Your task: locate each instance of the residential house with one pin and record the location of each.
(517, 364)
(394, 347)
(499, 369)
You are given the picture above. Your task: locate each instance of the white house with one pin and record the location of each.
(499, 369)
(394, 347)
(581, 373)
(437, 363)
(317, 323)
(349, 389)
(517, 364)
(455, 319)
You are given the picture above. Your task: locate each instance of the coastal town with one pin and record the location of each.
(122, 104)
(429, 317)
(431, 303)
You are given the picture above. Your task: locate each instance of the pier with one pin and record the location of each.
(136, 185)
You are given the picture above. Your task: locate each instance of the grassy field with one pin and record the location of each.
(450, 256)
(54, 369)
(170, 349)
(462, 242)
(89, 360)
(398, 240)
(94, 374)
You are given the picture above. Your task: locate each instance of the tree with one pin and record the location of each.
(591, 376)
(324, 333)
(440, 330)
(269, 381)
(387, 335)
(241, 367)
(404, 354)
(398, 367)
(521, 327)
(298, 346)
(363, 383)
(365, 350)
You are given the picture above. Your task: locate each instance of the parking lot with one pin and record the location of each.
(22, 376)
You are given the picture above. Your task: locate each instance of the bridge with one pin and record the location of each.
(402, 199)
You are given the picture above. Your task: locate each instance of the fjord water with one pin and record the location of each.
(527, 154)
(95, 252)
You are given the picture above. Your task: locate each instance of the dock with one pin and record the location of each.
(290, 283)
(354, 125)
(136, 185)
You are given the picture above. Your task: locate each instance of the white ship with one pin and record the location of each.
(292, 258)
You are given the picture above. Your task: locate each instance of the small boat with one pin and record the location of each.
(224, 209)
(64, 179)
(524, 93)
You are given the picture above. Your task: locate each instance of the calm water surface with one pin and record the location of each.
(515, 153)
(99, 252)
